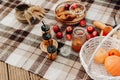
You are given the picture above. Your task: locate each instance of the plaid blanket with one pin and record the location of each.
(19, 43)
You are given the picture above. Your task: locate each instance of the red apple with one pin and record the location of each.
(69, 30)
(67, 6)
(74, 6)
(83, 23)
(59, 35)
(56, 28)
(95, 33)
(89, 36)
(90, 29)
(69, 37)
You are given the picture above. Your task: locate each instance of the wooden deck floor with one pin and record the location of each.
(8, 72)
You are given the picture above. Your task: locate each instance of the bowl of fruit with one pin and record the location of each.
(70, 12)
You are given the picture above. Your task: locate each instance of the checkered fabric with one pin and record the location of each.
(19, 43)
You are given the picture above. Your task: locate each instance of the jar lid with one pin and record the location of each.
(45, 28)
(51, 49)
(46, 36)
(79, 31)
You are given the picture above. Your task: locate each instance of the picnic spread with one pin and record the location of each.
(62, 39)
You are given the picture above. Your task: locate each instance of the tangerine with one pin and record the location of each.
(114, 52)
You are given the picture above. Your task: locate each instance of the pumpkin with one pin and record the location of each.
(112, 65)
(114, 52)
(100, 56)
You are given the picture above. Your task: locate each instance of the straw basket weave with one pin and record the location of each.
(89, 49)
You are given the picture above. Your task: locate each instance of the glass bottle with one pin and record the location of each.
(52, 51)
(45, 28)
(46, 37)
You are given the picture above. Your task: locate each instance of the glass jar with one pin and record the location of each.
(79, 37)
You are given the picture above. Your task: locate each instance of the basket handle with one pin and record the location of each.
(101, 44)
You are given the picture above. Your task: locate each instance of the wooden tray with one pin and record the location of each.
(44, 47)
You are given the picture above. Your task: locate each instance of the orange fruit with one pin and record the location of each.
(101, 55)
(112, 65)
(114, 52)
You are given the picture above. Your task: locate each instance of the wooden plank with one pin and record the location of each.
(8, 72)
(33, 77)
(43, 79)
(17, 74)
(36, 77)
(3, 71)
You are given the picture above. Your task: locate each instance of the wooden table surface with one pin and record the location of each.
(8, 72)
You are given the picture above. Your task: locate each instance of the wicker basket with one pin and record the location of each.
(89, 49)
(76, 21)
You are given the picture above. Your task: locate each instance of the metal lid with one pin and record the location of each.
(45, 28)
(51, 49)
(46, 36)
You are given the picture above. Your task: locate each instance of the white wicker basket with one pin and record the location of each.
(89, 49)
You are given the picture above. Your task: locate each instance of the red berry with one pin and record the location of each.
(89, 36)
(69, 37)
(69, 30)
(59, 35)
(95, 33)
(83, 23)
(90, 29)
(56, 28)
